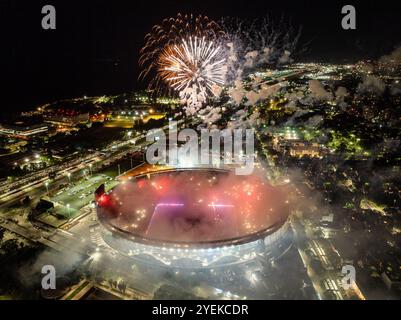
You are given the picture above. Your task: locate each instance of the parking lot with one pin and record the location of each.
(69, 201)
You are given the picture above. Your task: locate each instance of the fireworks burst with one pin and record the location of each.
(193, 62)
(183, 53)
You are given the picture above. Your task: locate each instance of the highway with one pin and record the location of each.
(33, 184)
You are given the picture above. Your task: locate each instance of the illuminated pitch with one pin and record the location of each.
(193, 207)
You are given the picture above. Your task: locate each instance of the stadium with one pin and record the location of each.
(194, 217)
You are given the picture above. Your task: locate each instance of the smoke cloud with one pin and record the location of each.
(372, 84)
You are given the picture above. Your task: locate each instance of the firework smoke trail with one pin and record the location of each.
(264, 42)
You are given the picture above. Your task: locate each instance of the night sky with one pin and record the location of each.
(95, 47)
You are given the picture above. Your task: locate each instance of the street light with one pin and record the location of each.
(90, 168)
(68, 210)
(47, 187)
(69, 176)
